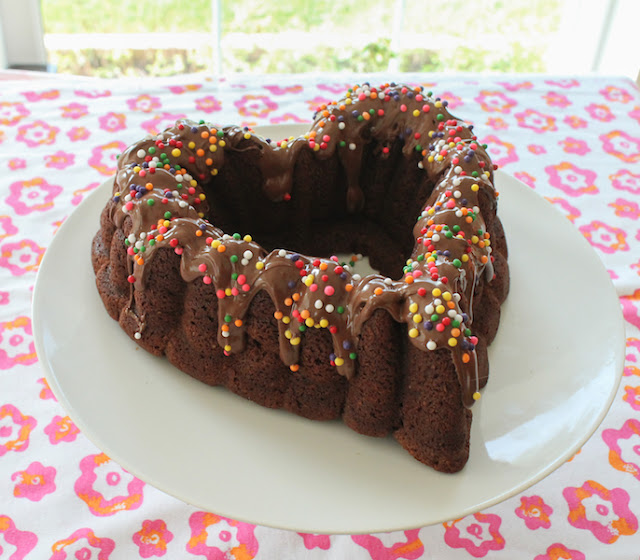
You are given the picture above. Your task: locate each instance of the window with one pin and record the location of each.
(144, 37)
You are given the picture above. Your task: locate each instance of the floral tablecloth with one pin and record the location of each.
(575, 140)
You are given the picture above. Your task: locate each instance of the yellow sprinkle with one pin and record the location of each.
(228, 292)
(286, 320)
(287, 334)
(136, 168)
(475, 187)
(413, 307)
(436, 292)
(416, 113)
(339, 361)
(464, 258)
(259, 265)
(215, 243)
(324, 323)
(227, 348)
(202, 196)
(213, 148)
(474, 239)
(191, 145)
(309, 322)
(440, 309)
(417, 318)
(248, 238)
(295, 341)
(453, 342)
(222, 143)
(413, 333)
(447, 296)
(214, 172)
(247, 136)
(437, 104)
(175, 152)
(166, 223)
(476, 396)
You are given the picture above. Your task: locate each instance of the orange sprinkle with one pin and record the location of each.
(287, 302)
(468, 219)
(149, 186)
(465, 358)
(294, 367)
(378, 291)
(199, 152)
(213, 140)
(208, 161)
(224, 328)
(221, 248)
(204, 134)
(198, 233)
(159, 237)
(324, 266)
(348, 287)
(484, 259)
(295, 297)
(238, 322)
(305, 313)
(342, 107)
(451, 305)
(455, 332)
(278, 314)
(409, 279)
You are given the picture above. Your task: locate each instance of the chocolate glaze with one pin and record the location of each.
(159, 186)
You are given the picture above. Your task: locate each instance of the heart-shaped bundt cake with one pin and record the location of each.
(218, 249)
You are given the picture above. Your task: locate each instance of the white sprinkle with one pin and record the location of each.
(437, 302)
(318, 304)
(452, 313)
(420, 165)
(244, 262)
(176, 194)
(388, 281)
(127, 198)
(183, 204)
(356, 277)
(226, 334)
(247, 255)
(457, 296)
(435, 238)
(458, 213)
(456, 181)
(139, 244)
(352, 146)
(132, 238)
(457, 170)
(282, 253)
(226, 236)
(329, 308)
(141, 153)
(429, 309)
(137, 336)
(476, 209)
(179, 178)
(457, 194)
(458, 318)
(431, 345)
(341, 125)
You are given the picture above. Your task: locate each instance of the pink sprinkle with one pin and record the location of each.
(235, 291)
(329, 290)
(178, 250)
(450, 203)
(403, 108)
(142, 173)
(220, 294)
(426, 108)
(202, 267)
(313, 288)
(246, 287)
(207, 279)
(439, 327)
(129, 205)
(242, 279)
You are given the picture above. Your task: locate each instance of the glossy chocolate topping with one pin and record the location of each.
(160, 183)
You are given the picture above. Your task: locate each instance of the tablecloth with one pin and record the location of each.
(574, 140)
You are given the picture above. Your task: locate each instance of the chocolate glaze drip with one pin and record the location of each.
(159, 186)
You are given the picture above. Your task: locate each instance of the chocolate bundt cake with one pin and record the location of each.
(387, 172)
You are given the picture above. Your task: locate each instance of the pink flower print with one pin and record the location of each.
(83, 545)
(554, 99)
(59, 160)
(635, 113)
(15, 429)
(574, 146)
(534, 512)
(153, 538)
(616, 94)
(144, 103)
(4, 298)
(61, 429)
(478, 534)
(536, 121)
(607, 238)
(571, 179)
(279, 90)
(34, 96)
(495, 102)
(497, 123)
(12, 113)
(516, 86)
(526, 178)
(600, 112)
(37, 133)
(558, 551)
(536, 149)
(21, 257)
(501, 152)
(74, 110)
(604, 512)
(6, 227)
(112, 122)
(17, 163)
(571, 212)
(626, 209)
(312, 541)
(453, 100)
(626, 181)
(161, 122)
(45, 392)
(104, 158)
(106, 487)
(208, 104)
(387, 547)
(624, 447)
(622, 146)
(13, 542)
(632, 396)
(288, 117)
(35, 482)
(219, 538)
(32, 195)
(16, 343)
(633, 357)
(631, 308)
(258, 106)
(93, 93)
(78, 133)
(78, 194)
(334, 88)
(575, 122)
(565, 84)
(179, 90)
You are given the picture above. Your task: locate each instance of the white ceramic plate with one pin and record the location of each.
(555, 367)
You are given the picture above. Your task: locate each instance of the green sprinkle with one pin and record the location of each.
(474, 174)
(227, 318)
(457, 263)
(455, 324)
(302, 328)
(342, 143)
(237, 236)
(353, 355)
(234, 258)
(152, 150)
(152, 242)
(467, 332)
(234, 276)
(435, 317)
(151, 202)
(340, 309)
(440, 117)
(167, 215)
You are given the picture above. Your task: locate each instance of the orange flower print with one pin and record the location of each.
(624, 447)
(40, 95)
(279, 90)
(12, 113)
(526, 178)
(600, 112)
(495, 102)
(478, 534)
(626, 208)
(83, 544)
(632, 396)
(45, 392)
(78, 133)
(59, 160)
(554, 99)
(15, 429)
(208, 104)
(287, 117)
(558, 551)
(536, 121)
(624, 180)
(622, 146)
(534, 512)
(391, 546)
(572, 180)
(574, 146)
(257, 106)
(37, 133)
(607, 238)
(104, 158)
(502, 153)
(144, 103)
(21, 543)
(35, 482)
(61, 429)
(74, 111)
(453, 100)
(602, 511)
(179, 90)
(571, 212)
(497, 123)
(153, 538)
(633, 357)
(219, 538)
(32, 195)
(575, 122)
(16, 343)
(21, 257)
(106, 487)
